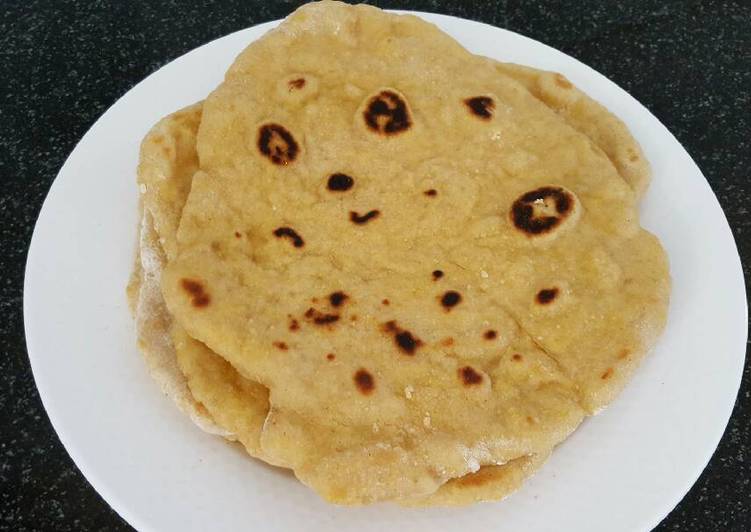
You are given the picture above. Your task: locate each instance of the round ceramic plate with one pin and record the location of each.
(622, 470)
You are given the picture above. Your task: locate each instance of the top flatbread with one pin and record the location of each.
(203, 384)
(550, 292)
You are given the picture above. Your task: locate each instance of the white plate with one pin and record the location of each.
(622, 470)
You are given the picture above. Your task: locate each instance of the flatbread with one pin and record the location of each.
(220, 400)
(167, 161)
(236, 404)
(550, 294)
(153, 324)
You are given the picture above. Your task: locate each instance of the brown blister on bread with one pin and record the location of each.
(361, 219)
(469, 376)
(277, 144)
(539, 211)
(199, 297)
(404, 339)
(481, 106)
(321, 318)
(364, 381)
(481, 477)
(450, 299)
(339, 182)
(337, 298)
(288, 232)
(387, 113)
(562, 82)
(547, 295)
(296, 84)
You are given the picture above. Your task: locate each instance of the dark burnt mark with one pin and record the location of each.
(294, 325)
(321, 318)
(339, 182)
(365, 218)
(469, 376)
(353, 317)
(447, 342)
(523, 210)
(387, 113)
(490, 334)
(290, 233)
(324, 319)
(364, 381)
(450, 299)
(437, 274)
(481, 106)
(237, 234)
(608, 373)
(431, 192)
(406, 341)
(199, 297)
(546, 295)
(385, 302)
(330, 357)
(337, 298)
(516, 357)
(298, 83)
(277, 144)
(281, 345)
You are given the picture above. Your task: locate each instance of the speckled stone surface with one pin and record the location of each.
(64, 63)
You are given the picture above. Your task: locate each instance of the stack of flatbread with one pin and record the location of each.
(403, 271)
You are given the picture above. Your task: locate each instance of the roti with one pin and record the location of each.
(203, 384)
(471, 261)
(168, 160)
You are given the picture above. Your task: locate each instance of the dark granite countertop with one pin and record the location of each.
(64, 63)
